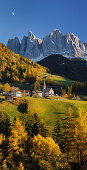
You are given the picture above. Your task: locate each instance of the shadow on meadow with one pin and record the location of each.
(23, 107)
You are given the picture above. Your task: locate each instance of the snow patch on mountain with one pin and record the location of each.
(38, 58)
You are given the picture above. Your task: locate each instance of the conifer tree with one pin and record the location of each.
(16, 146)
(71, 135)
(64, 133)
(81, 136)
(34, 125)
(5, 124)
(46, 154)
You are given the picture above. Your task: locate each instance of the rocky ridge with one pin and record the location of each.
(55, 43)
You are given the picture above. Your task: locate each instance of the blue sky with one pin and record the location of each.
(41, 17)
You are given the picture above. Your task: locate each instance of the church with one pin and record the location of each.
(47, 91)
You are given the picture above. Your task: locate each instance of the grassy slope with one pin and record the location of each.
(9, 108)
(56, 79)
(48, 109)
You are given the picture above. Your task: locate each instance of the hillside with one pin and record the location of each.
(74, 69)
(48, 109)
(15, 68)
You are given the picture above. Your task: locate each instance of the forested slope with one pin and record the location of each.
(15, 68)
(74, 69)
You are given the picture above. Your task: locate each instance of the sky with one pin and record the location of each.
(41, 17)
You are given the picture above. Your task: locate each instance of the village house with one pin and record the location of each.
(37, 94)
(15, 92)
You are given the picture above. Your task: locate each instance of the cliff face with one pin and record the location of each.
(54, 43)
(14, 45)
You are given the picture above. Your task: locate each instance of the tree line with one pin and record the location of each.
(78, 88)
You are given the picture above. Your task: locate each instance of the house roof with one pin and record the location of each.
(48, 89)
(14, 92)
(14, 89)
(37, 91)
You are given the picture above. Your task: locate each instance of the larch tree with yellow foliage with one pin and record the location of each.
(17, 143)
(46, 154)
(64, 133)
(71, 135)
(81, 135)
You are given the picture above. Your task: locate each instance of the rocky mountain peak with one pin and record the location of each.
(31, 36)
(54, 43)
(57, 31)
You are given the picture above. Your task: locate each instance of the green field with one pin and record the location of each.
(50, 110)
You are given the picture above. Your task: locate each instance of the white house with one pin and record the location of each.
(18, 94)
(15, 92)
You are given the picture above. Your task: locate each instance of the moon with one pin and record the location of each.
(13, 13)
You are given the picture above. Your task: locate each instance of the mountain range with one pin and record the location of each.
(36, 49)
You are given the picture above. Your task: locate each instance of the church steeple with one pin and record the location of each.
(44, 85)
